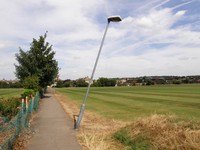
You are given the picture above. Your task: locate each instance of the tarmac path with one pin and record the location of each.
(53, 128)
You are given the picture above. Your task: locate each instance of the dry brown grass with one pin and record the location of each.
(5, 135)
(23, 139)
(163, 131)
(166, 132)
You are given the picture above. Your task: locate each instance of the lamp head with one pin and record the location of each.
(114, 19)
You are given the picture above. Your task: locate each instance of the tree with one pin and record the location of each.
(81, 83)
(59, 84)
(31, 82)
(102, 82)
(38, 61)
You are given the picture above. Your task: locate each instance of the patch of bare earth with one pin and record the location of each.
(163, 131)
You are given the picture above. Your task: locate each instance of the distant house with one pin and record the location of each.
(121, 82)
(87, 80)
(9, 81)
(126, 82)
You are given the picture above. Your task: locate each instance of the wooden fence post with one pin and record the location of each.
(27, 103)
(22, 118)
(32, 104)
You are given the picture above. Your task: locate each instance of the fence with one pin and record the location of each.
(11, 130)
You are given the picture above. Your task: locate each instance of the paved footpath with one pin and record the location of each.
(54, 129)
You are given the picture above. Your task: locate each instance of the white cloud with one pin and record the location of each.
(7, 65)
(150, 32)
(180, 13)
(145, 22)
(2, 45)
(167, 61)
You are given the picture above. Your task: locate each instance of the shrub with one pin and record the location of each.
(28, 92)
(9, 106)
(177, 82)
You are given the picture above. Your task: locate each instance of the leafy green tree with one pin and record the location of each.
(17, 84)
(31, 82)
(101, 82)
(176, 81)
(38, 61)
(81, 83)
(67, 83)
(4, 85)
(60, 84)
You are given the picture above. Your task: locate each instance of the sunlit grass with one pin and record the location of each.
(128, 103)
(5, 93)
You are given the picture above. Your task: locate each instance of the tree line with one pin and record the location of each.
(101, 82)
(4, 84)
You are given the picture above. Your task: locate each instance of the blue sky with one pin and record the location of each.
(156, 37)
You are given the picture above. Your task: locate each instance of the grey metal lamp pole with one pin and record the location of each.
(110, 19)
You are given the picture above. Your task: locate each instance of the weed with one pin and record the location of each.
(123, 137)
(141, 142)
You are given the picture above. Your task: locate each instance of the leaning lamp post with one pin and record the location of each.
(110, 19)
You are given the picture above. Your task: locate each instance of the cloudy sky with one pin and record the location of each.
(156, 37)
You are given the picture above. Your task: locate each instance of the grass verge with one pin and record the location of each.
(160, 132)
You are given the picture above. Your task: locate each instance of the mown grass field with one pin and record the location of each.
(128, 103)
(5, 93)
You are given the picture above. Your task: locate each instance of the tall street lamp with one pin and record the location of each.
(110, 19)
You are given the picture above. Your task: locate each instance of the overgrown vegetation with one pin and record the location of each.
(10, 101)
(160, 132)
(9, 106)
